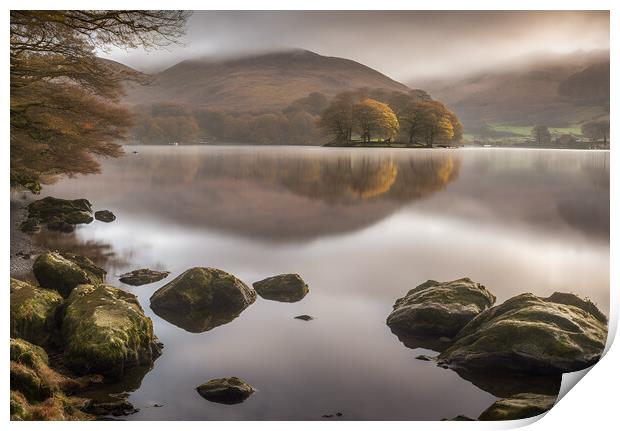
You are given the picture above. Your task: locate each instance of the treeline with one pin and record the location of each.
(167, 123)
(361, 115)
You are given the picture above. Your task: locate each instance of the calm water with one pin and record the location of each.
(362, 227)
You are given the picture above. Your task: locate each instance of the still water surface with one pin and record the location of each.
(362, 227)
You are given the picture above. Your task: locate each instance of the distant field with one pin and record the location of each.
(526, 131)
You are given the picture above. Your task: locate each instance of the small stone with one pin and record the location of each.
(142, 276)
(105, 216)
(226, 390)
(283, 288)
(304, 317)
(424, 358)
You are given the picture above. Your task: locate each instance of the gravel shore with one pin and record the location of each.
(23, 250)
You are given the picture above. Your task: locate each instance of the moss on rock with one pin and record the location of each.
(57, 214)
(201, 299)
(528, 334)
(64, 271)
(226, 390)
(34, 313)
(283, 288)
(105, 331)
(439, 309)
(519, 406)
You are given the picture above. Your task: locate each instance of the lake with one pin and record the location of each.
(362, 227)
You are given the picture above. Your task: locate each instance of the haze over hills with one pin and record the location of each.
(558, 91)
(258, 83)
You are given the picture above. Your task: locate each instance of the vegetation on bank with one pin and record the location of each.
(364, 116)
(64, 108)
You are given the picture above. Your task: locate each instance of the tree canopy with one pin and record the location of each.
(64, 109)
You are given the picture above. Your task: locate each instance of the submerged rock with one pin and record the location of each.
(226, 390)
(64, 271)
(529, 334)
(283, 288)
(304, 317)
(142, 276)
(201, 299)
(111, 408)
(34, 313)
(519, 406)
(57, 214)
(438, 309)
(105, 216)
(105, 331)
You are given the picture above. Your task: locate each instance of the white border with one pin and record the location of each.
(591, 405)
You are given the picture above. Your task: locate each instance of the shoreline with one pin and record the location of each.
(20, 242)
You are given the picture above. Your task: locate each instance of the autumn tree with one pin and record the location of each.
(64, 110)
(596, 130)
(429, 121)
(373, 118)
(541, 135)
(337, 119)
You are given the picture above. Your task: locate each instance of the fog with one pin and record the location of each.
(405, 45)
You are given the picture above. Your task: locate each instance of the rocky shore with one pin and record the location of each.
(516, 350)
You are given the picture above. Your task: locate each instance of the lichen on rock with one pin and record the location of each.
(105, 331)
(202, 298)
(34, 313)
(64, 271)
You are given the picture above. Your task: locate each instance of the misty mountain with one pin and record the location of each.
(557, 91)
(258, 83)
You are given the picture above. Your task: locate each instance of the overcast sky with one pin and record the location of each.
(405, 45)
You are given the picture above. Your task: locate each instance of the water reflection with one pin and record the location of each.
(362, 227)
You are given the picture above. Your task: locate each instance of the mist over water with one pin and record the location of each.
(362, 227)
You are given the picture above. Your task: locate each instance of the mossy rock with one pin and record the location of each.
(438, 309)
(226, 390)
(64, 271)
(143, 276)
(201, 299)
(30, 374)
(528, 334)
(49, 209)
(34, 313)
(519, 406)
(106, 332)
(283, 288)
(58, 407)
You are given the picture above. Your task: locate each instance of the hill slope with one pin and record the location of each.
(559, 92)
(260, 83)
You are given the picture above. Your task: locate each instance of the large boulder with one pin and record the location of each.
(106, 332)
(283, 288)
(64, 271)
(142, 276)
(529, 334)
(226, 390)
(58, 214)
(519, 406)
(34, 313)
(201, 299)
(438, 309)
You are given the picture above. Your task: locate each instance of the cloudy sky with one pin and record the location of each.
(406, 45)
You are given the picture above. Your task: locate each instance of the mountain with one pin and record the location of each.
(557, 91)
(257, 83)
